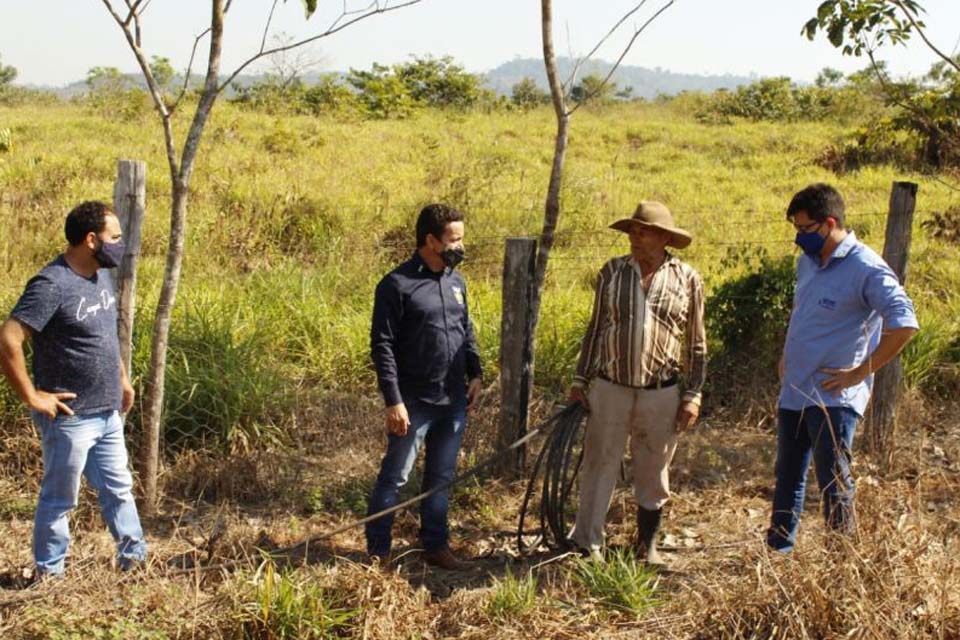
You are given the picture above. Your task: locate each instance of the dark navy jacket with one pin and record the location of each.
(422, 340)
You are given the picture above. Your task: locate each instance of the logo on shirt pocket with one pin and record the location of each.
(458, 294)
(827, 303)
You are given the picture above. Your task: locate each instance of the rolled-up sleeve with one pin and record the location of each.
(884, 294)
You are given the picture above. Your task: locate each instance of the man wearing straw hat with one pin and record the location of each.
(647, 328)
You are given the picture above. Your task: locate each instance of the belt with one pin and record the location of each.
(659, 384)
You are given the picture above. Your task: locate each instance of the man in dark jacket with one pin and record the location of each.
(425, 352)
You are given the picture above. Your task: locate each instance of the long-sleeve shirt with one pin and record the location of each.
(839, 312)
(421, 339)
(636, 338)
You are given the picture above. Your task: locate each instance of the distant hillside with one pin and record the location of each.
(646, 83)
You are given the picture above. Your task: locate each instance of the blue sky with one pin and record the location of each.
(53, 42)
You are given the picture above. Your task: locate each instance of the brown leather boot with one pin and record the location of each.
(445, 559)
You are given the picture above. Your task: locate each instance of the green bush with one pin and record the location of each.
(747, 318)
(112, 94)
(527, 95)
(330, 96)
(780, 100)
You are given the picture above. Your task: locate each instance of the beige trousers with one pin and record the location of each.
(648, 416)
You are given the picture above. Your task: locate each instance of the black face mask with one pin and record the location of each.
(109, 255)
(452, 257)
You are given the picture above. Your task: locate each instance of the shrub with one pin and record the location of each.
(111, 94)
(527, 95)
(747, 319)
(330, 95)
(780, 100)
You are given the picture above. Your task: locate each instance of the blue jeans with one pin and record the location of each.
(441, 428)
(828, 439)
(90, 445)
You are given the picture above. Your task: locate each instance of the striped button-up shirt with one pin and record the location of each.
(636, 338)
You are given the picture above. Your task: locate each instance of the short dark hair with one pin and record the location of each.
(820, 201)
(433, 220)
(86, 217)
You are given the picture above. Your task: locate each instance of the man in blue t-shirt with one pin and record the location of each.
(425, 352)
(79, 388)
(850, 317)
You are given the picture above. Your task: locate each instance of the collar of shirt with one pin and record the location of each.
(667, 259)
(424, 269)
(841, 251)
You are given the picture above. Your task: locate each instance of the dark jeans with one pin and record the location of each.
(441, 428)
(827, 437)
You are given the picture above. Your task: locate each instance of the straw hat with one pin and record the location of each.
(656, 215)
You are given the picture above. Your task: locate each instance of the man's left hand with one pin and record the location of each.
(473, 392)
(686, 415)
(128, 397)
(842, 378)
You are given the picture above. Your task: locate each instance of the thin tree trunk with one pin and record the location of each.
(552, 204)
(180, 191)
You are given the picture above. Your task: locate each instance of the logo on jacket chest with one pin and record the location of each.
(457, 294)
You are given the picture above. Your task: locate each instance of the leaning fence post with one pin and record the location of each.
(886, 385)
(129, 202)
(516, 346)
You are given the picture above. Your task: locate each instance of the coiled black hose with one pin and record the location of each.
(555, 472)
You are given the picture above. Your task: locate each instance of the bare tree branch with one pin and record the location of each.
(899, 98)
(599, 44)
(553, 80)
(568, 83)
(623, 54)
(186, 76)
(953, 63)
(152, 86)
(374, 8)
(266, 28)
(116, 16)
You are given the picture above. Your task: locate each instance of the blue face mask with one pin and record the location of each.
(811, 243)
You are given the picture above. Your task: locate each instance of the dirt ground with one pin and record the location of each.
(898, 576)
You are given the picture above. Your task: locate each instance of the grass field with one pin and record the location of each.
(292, 222)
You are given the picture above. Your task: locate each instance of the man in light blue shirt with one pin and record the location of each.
(850, 317)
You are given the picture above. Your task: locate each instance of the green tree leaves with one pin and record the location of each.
(859, 26)
(8, 73)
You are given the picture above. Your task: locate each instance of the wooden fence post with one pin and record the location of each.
(886, 385)
(516, 346)
(129, 202)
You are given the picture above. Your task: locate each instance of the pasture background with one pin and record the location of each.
(272, 420)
